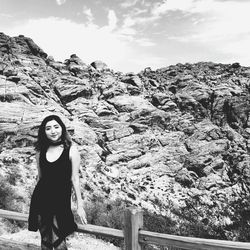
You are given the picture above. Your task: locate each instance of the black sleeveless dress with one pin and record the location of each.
(51, 198)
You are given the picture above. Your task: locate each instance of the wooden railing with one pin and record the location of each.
(134, 237)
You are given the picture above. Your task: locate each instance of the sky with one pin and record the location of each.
(130, 35)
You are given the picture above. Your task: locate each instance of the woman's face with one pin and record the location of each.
(53, 131)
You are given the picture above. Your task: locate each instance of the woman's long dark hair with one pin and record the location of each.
(43, 142)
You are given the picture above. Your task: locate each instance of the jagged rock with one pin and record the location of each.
(36, 50)
(132, 80)
(10, 91)
(81, 108)
(82, 133)
(74, 59)
(105, 109)
(99, 65)
(77, 67)
(70, 88)
(155, 138)
(20, 45)
(186, 178)
(127, 103)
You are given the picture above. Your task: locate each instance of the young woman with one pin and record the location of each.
(58, 170)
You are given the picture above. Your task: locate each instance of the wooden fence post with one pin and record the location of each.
(133, 221)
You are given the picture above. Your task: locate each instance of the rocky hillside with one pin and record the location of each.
(160, 140)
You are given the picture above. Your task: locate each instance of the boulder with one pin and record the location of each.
(99, 65)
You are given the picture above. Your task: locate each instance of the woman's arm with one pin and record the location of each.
(75, 161)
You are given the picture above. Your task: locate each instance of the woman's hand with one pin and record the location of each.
(82, 215)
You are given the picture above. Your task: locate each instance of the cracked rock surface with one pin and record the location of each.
(166, 135)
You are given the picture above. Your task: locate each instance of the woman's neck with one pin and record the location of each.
(56, 143)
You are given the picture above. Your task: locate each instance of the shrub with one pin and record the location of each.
(108, 213)
(228, 220)
(10, 200)
(6, 194)
(158, 223)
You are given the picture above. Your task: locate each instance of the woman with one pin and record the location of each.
(58, 168)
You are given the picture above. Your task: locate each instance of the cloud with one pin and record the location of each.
(145, 42)
(171, 5)
(220, 22)
(88, 13)
(223, 28)
(112, 20)
(60, 38)
(130, 30)
(186, 6)
(127, 42)
(153, 13)
(128, 3)
(237, 50)
(5, 15)
(60, 2)
(136, 20)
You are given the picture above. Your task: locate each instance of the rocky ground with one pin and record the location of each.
(76, 242)
(162, 140)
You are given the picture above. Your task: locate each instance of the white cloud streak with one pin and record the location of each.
(128, 3)
(5, 15)
(224, 22)
(223, 26)
(191, 6)
(60, 2)
(88, 13)
(112, 20)
(145, 42)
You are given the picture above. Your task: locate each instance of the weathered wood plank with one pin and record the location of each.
(101, 231)
(147, 237)
(90, 229)
(132, 223)
(144, 237)
(13, 215)
(16, 245)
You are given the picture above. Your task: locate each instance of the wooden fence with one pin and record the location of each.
(133, 235)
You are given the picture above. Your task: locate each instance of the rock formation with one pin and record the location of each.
(151, 139)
